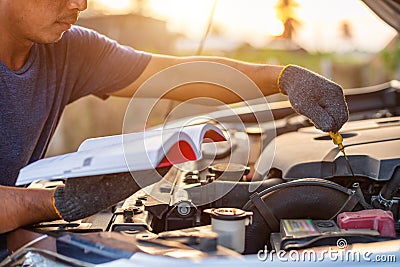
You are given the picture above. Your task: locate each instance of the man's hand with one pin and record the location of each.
(23, 206)
(84, 196)
(315, 97)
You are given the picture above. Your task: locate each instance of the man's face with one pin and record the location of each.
(40, 21)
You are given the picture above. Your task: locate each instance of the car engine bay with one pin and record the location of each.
(306, 197)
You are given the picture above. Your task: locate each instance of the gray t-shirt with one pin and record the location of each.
(32, 99)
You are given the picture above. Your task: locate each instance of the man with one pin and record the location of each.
(45, 64)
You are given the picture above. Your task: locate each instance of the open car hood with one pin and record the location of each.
(387, 10)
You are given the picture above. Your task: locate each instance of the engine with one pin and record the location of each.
(307, 183)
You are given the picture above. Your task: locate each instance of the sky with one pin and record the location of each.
(255, 21)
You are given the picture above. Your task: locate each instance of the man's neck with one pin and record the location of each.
(13, 52)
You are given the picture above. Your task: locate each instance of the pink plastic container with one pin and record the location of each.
(375, 219)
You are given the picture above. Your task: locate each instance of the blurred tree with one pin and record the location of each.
(286, 12)
(391, 59)
(346, 30)
(346, 44)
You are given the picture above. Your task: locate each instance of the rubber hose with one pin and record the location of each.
(390, 188)
(309, 198)
(237, 196)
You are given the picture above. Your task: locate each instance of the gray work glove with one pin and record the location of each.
(85, 196)
(315, 97)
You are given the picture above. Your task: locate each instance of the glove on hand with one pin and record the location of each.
(82, 197)
(315, 97)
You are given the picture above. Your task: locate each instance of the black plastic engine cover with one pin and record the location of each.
(372, 147)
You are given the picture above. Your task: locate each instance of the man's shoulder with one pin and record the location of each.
(81, 38)
(79, 32)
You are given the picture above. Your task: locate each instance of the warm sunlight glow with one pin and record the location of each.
(112, 5)
(276, 28)
(255, 21)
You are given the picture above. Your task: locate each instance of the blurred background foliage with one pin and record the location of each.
(137, 27)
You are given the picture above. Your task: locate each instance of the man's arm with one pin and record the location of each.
(310, 94)
(24, 206)
(78, 199)
(263, 75)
